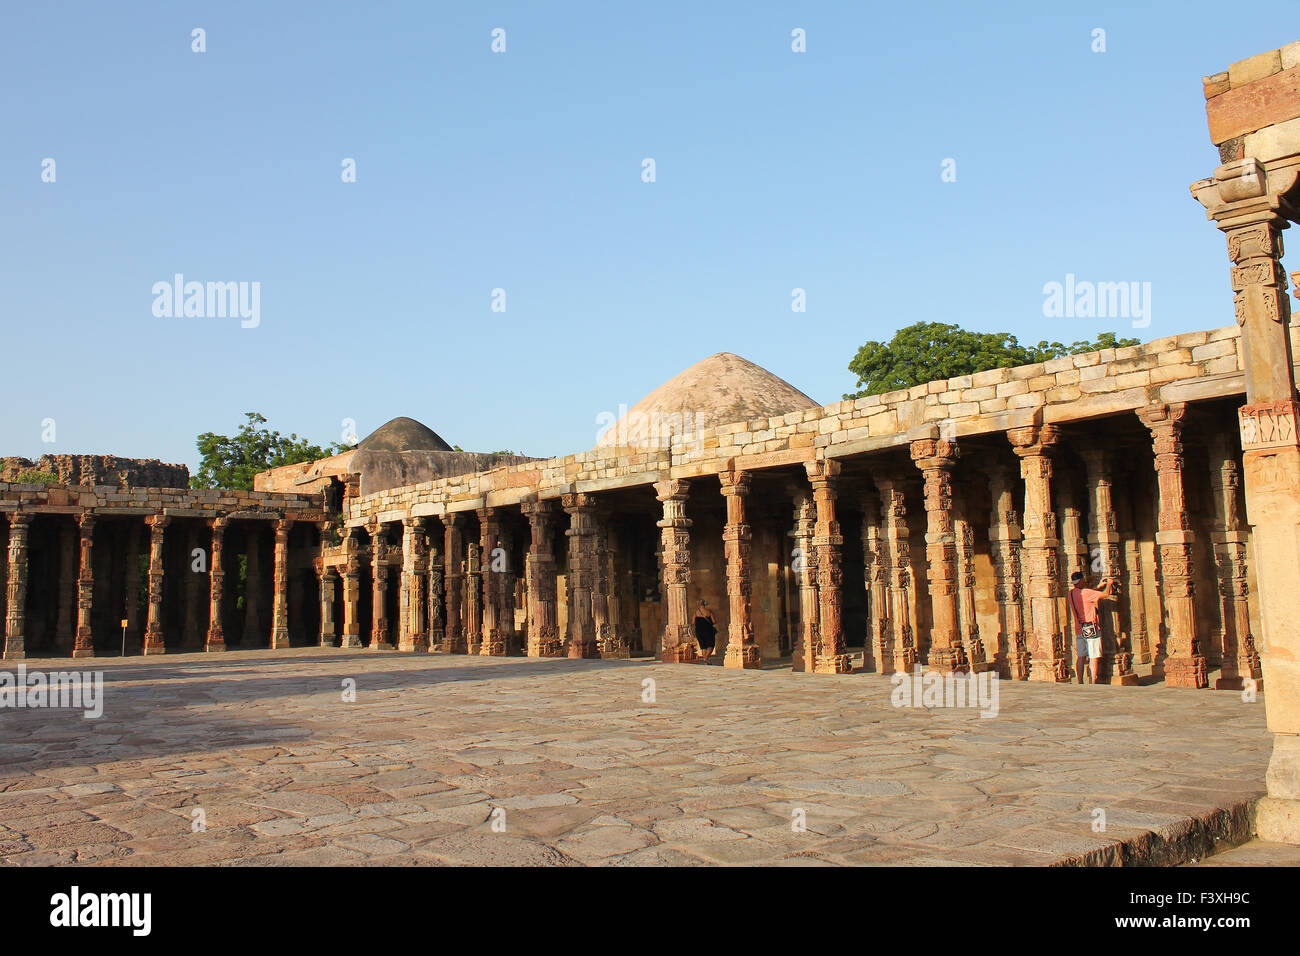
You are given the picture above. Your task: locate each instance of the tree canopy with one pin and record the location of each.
(231, 462)
(926, 351)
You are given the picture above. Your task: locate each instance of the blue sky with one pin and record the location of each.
(522, 171)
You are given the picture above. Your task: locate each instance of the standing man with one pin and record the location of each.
(1087, 629)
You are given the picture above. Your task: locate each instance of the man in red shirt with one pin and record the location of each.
(1087, 625)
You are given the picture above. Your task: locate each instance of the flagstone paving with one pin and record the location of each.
(255, 758)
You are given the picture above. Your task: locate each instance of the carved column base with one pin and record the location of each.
(584, 650)
(279, 638)
(948, 660)
(833, 664)
(350, 640)
(681, 654)
(413, 644)
(1186, 672)
(216, 643)
(614, 649)
(153, 643)
(82, 652)
(494, 647)
(14, 655)
(1055, 669)
(745, 656)
(453, 646)
(382, 646)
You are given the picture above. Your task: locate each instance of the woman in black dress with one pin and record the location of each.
(706, 631)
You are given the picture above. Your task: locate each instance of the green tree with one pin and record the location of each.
(37, 478)
(927, 351)
(226, 462)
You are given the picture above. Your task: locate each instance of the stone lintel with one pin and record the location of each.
(464, 504)
(863, 445)
(1097, 406)
(769, 459)
(1175, 536)
(553, 492)
(1206, 387)
(621, 481)
(507, 497)
(428, 509)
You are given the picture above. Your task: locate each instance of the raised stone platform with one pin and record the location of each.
(716, 770)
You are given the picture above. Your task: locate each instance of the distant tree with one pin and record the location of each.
(926, 351)
(37, 478)
(507, 451)
(231, 462)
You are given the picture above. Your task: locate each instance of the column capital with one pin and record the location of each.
(578, 501)
(930, 453)
(675, 489)
(86, 521)
(158, 521)
(1172, 416)
(734, 482)
(1033, 440)
(21, 519)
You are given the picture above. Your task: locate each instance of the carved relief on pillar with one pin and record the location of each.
(280, 580)
(1040, 557)
(678, 645)
(454, 640)
(1230, 540)
(964, 542)
(216, 636)
(539, 567)
(412, 634)
(84, 645)
(1184, 664)
(435, 602)
(898, 644)
(582, 574)
(153, 634)
(803, 564)
(617, 643)
(65, 627)
(1106, 550)
(1012, 660)
(20, 524)
(473, 616)
(875, 574)
(831, 653)
(326, 578)
(381, 628)
(936, 457)
(491, 642)
(737, 541)
(351, 590)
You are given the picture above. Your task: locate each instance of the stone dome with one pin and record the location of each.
(719, 390)
(403, 434)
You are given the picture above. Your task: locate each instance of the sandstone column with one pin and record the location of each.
(473, 597)
(1105, 542)
(1185, 664)
(454, 641)
(936, 458)
(1240, 660)
(539, 568)
(832, 656)
(742, 651)
(351, 590)
(492, 643)
(1048, 653)
(411, 633)
(153, 633)
(69, 590)
(1139, 641)
(252, 585)
(581, 534)
(437, 627)
(1004, 543)
(216, 637)
(280, 578)
(804, 566)
(615, 645)
(326, 577)
(964, 542)
(85, 641)
(875, 571)
(132, 610)
(380, 636)
(678, 645)
(898, 653)
(192, 637)
(600, 581)
(16, 590)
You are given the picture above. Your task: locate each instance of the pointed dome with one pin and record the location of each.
(403, 434)
(722, 389)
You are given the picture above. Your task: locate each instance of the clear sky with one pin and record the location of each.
(522, 171)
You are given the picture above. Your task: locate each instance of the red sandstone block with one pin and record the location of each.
(1253, 106)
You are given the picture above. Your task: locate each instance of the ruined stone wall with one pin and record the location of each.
(100, 470)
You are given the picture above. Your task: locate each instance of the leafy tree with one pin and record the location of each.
(227, 462)
(926, 351)
(37, 478)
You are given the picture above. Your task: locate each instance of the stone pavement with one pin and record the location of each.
(261, 747)
(1255, 853)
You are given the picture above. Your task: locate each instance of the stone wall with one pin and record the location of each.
(100, 470)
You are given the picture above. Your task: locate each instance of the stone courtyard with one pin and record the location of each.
(715, 770)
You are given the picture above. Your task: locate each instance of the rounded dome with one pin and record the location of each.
(403, 434)
(719, 390)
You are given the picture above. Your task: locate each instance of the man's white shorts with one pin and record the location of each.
(1089, 647)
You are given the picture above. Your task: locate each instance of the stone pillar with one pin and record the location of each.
(832, 656)
(936, 458)
(1184, 663)
(280, 582)
(326, 578)
(616, 645)
(412, 631)
(216, 637)
(351, 591)
(437, 626)
(153, 632)
(192, 632)
(1105, 543)
(16, 588)
(132, 610)
(252, 585)
(1048, 651)
(69, 590)
(804, 566)
(678, 645)
(875, 575)
(539, 568)
(1004, 542)
(964, 543)
(492, 643)
(85, 641)
(1230, 538)
(600, 581)
(506, 579)
(473, 597)
(581, 578)
(454, 641)
(898, 654)
(742, 651)
(1139, 641)
(380, 636)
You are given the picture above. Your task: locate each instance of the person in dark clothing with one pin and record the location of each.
(706, 630)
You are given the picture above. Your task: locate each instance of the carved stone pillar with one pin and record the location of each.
(131, 612)
(936, 458)
(492, 643)
(506, 579)
(411, 634)
(964, 543)
(539, 568)
(832, 655)
(380, 628)
(1004, 543)
(581, 579)
(437, 622)
(65, 627)
(454, 641)
(252, 585)
(898, 654)
(1135, 602)
(1048, 651)
(216, 637)
(473, 623)
(678, 645)
(803, 564)
(153, 632)
(16, 588)
(875, 575)
(1184, 664)
(615, 645)
(280, 579)
(1230, 538)
(85, 641)
(351, 590)
(193, 631)
(1105, 542)
(600, 581)
(326, 577)
(742, 651)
